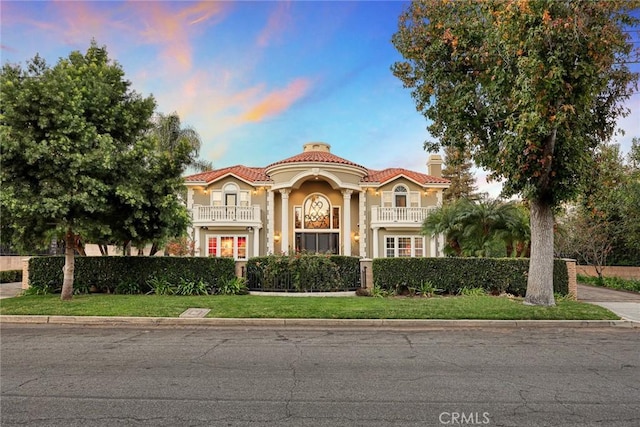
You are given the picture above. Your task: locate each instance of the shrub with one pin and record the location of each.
(612, 282)
(10, 276)
(303, 273)
(495, 275)
(235, 286)
(106, 273)
(190, 287)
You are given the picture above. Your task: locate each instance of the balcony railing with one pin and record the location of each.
(399, 215)
(226, 213)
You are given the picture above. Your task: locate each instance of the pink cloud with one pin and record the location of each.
(277, 23)
(171, 29)
(278, 101)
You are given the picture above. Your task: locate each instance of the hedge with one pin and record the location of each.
(107, 272)
(496, 275)
(303, 273)
(10, 276)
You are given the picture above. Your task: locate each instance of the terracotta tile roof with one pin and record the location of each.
(387, 175)
(244, 172)
(316, 156)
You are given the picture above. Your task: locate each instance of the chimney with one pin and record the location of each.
(434, 165)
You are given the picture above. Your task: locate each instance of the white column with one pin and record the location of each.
(346, 227)
(375, 242)
(196, 241)
(439, 197)
(270, 222)
(362, 222)
(256, 241)
(284, 228)
(433, 246)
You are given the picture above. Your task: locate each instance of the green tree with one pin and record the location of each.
(483, 221)
(171, 134)
(529, 87)
(70, 146)
(445, 220)
(458, 170)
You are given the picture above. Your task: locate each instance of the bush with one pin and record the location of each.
(495, 275)
(303, 273)
(612, 283)
(106, 273)
(10, 276)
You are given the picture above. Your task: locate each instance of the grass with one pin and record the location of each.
(249, 306)
(611, 283)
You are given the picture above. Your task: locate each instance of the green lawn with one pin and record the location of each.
(249, 306)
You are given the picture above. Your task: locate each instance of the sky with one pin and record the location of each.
(256, 79)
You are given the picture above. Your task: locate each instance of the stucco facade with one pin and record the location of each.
(316, 202)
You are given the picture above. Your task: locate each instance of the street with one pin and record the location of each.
(80, 376)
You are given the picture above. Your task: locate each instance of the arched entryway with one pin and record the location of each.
(317, 225)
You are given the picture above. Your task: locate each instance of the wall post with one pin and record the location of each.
(573, 282)
(366, 273)
(25, 273)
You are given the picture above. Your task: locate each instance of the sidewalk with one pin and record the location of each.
(624, 304)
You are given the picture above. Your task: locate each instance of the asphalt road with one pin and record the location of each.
(75, 376)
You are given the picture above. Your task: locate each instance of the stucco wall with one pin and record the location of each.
(11, 262)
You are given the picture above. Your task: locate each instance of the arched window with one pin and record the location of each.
(400, 195)
(317, 212)
(230, 194)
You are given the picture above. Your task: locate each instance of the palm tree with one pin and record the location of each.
(517, 234)
(482, 221)
(170, 135)
(446, 220)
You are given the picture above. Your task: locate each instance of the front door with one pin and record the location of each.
(321, 243)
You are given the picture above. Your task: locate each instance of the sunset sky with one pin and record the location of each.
(256, 79)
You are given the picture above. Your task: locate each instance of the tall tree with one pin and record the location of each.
(171, 134)
(529, 87)
(70, 140)
(458, 170)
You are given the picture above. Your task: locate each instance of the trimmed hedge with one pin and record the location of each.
(303, 273)
(107, 272)
(10, 276)
(496, 275)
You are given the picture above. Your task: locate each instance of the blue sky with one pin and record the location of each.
(256, 79)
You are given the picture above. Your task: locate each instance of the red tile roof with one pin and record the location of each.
(253, 175)
(387, 175)
(243, 172)
(316, 156)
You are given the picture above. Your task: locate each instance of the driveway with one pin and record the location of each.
(8, 290)
(624, 304)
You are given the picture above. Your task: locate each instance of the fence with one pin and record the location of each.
(296, 281)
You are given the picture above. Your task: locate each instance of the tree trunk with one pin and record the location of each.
(154, 249)
(104, 249)
(69, 266)
(540, 280)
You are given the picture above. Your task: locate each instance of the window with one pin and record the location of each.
(227, 246)
(316, 214)
(404, 246)
(400, 197)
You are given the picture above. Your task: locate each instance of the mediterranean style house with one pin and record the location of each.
(314, 201)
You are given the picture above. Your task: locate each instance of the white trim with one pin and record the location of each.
(335, 182)
(412, 249)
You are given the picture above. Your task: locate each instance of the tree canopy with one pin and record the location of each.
(529, 88)
(78, 158)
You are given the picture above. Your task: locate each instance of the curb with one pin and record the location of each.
(310, 323)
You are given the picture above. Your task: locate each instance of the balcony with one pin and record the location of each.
(226, 215)
(389, 217)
